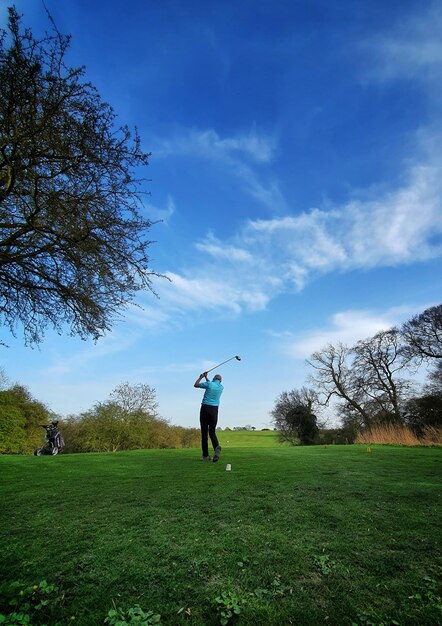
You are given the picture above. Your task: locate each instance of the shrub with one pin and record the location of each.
(227, 606)
(33, 605)
(423, 412)
(336, 435)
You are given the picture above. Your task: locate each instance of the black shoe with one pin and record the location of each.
(217, 454)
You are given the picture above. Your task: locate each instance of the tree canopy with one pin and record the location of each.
(293, 416)
(21, 420)
(73, 240)
(434, 383)
(135, 398)
(423, 334)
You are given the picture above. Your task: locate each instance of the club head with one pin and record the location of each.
(238, 358)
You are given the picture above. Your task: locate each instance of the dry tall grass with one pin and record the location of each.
(400, 435)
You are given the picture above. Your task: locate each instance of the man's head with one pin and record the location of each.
(217, 377)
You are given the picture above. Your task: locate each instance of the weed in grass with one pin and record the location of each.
(428, 594)
(276, 589)
(324, 564)
(33, 604)
(134, 615)
(373, 619)
(228, 607)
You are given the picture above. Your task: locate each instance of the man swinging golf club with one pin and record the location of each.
(209, 413)
(209, 410)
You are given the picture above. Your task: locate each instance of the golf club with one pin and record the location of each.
(231, 359)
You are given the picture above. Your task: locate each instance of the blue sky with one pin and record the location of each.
(296, 167)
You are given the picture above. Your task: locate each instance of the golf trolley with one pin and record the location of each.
(53, 440)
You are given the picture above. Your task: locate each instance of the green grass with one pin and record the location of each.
(296, 535)
(248, 438)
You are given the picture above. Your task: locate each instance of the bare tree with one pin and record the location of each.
(378, 364)
(296, 397)
(423, 334)
(334, 377)
(367, 378)
(434, 382)
(73, 244)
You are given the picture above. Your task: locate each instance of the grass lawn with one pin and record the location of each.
(304, 535)
(248, 438)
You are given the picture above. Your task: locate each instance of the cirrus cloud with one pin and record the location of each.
(209, 144)
(267, 257)
(348, 327)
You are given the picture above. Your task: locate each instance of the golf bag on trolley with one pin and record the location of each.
(53, 440)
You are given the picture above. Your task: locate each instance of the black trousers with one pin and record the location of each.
(208, 422)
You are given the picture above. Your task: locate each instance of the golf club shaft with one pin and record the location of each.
(216, 366)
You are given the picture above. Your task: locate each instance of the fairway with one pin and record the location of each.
(296, 535)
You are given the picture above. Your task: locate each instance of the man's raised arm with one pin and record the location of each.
(199, 379)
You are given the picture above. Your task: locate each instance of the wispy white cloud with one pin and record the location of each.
(208, 144)
(147, 316)
(411, 49)
(242, 155)
(346, 327)
(267, 257)
(270, 256)
(295, 246)
(215, 248)
(401, 227)
(404, 226)
(268, 195)
(196, 293)
(216, 291)
(111, 344)
(162, 214)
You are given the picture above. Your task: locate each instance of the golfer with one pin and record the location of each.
(209, 413)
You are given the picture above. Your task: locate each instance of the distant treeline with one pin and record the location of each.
(127, 421)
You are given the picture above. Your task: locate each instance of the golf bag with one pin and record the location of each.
(53, 440)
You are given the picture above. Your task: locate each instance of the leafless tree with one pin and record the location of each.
(434, 382)
(367, 377)
(423, 334)
(379, 363)
(334, 377)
